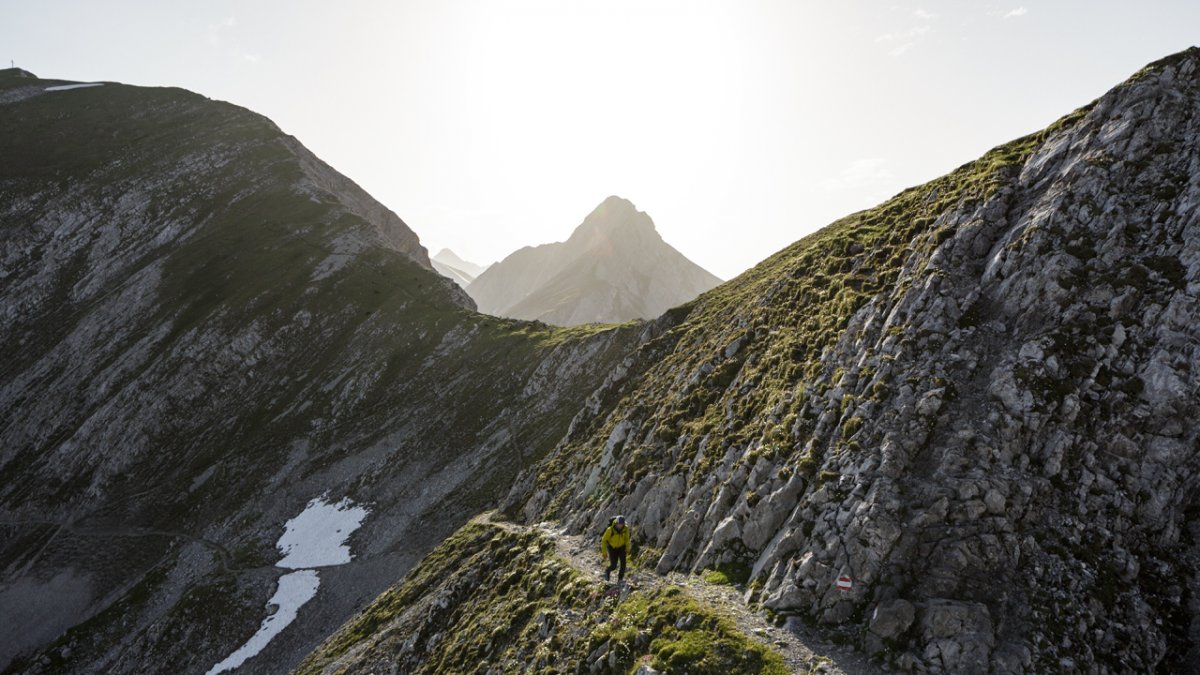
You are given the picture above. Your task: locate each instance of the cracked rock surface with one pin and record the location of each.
(988, 426)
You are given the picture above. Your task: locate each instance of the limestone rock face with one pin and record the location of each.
(976, 401)
(890, 620)
(615, 267)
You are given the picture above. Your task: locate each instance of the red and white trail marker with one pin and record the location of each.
(844, 583)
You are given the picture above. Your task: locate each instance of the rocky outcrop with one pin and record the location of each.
(972, 404)
(205, 328)
(615, 267)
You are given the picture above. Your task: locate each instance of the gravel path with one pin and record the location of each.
(803, 651)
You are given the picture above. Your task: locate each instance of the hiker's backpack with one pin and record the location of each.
(612, 522)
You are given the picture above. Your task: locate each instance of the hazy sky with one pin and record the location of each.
(738, 126)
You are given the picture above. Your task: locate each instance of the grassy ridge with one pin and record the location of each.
(498, 596)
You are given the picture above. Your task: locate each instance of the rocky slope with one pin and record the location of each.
(974, 403)
(615, 267)
(205, 328)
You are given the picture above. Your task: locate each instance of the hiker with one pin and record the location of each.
(613, 545)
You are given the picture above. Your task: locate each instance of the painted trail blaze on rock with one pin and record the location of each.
(844, 583)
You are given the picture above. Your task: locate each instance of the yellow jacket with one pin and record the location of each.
(614, 538)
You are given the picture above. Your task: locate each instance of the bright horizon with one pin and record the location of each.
(738, 127)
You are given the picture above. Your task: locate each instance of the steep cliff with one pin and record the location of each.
(614, 267)
(205, 329)
(973, 405)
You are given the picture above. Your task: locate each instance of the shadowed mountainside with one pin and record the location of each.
(205, 328)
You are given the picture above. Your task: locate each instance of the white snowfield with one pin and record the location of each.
(315, 538)
(295, 589)
(65, 87)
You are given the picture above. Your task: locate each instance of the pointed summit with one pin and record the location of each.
(615, 218)
(614, 267)
(614, 215)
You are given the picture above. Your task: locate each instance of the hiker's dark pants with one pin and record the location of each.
(615, 556)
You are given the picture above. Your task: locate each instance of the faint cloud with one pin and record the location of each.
(867, 174)
(217, 31)
(922, 13)
(910, 34)
(904, 39)
(1018, 12)
(219, 34)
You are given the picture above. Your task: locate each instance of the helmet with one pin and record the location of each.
(621, 520)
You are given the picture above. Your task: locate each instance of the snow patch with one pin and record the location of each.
(65, 87)
(317, 537)
(295, 589)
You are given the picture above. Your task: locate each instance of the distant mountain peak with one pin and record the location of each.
(450, 264)
(614, 218)
(616, 205)
(614, 267)
(451, 258)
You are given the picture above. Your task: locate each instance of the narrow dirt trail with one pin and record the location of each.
(802, 650)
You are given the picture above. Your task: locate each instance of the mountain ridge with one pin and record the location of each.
(974, 401)
(970, 402)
